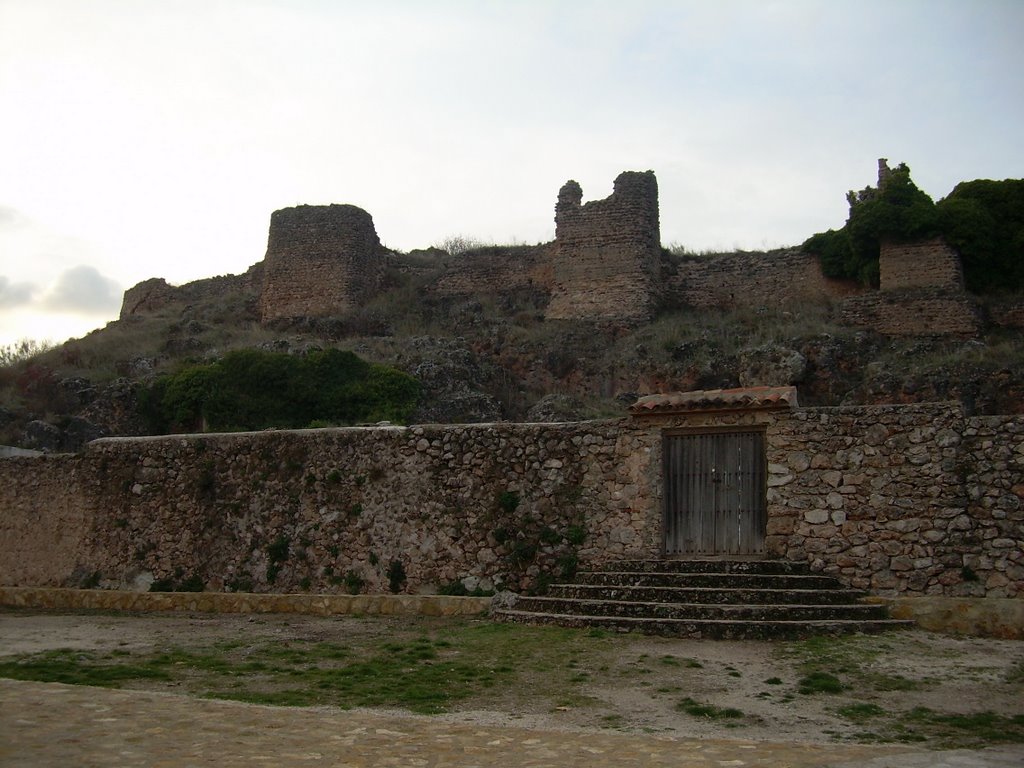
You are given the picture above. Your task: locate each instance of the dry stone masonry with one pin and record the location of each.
(769, 279)
(321, 260)
(607, 252)
(605, 264)
(900, 500)
(927, 263)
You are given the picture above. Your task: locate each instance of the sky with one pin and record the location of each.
(141, 138)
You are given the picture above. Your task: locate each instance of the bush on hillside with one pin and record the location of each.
(984, 221)
(250, 389)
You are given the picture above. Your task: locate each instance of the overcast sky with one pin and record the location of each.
(154, 139)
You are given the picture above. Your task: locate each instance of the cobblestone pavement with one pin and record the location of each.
(48, 724)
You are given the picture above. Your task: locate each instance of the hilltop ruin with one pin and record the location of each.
(606, 264)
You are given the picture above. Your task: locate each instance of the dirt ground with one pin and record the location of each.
(631, 682)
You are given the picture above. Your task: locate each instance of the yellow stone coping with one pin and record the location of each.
(999, 617)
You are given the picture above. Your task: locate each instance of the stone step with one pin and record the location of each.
(732, 612)
(708, 580)
(706, 595)
(710, 565)
(712, 598)
(719, 629)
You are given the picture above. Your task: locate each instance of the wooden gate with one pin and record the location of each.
(714, 493)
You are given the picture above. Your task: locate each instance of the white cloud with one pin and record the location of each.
(15, 294)
(83, 290)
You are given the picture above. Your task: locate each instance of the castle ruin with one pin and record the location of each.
(605, 265)
(921, 289)
(607, 252)
(321, 260)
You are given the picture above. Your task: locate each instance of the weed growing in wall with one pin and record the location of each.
(179, 583)
(354, 583)
(396, 576)
(277, 553)
(508, 501)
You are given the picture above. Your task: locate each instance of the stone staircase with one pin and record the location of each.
(716, 599)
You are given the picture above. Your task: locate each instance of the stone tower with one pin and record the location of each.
(607, 252)
(322, 260)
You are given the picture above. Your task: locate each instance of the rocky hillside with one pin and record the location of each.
(494, 356)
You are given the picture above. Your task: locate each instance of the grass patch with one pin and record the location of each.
(820, 682)
(894, 683)
(424, 669)
(81, 668)
(709, 711)
(860, 712)
(977, 729)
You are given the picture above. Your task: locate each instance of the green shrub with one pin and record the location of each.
(250, 389)
(458, 589)
(982, 219)
(277, 552)
(193, 583)
(897, 210)
(576, 535)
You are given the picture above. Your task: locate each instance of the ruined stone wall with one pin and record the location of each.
(322, 260)
(753, 279)
(913, 312)
(923, 264)
(497, 270)
(153, 295)
(1006, 313)
(607, 256)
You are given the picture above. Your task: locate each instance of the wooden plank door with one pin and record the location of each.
(714, 493)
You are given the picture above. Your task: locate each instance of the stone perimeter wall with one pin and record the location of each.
(900, 500)
(318, 509)
(903, 500)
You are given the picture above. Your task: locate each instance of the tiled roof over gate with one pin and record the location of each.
(744, 398)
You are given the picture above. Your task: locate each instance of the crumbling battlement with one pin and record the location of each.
(607, 252)
(927, 263)
(151, 296)
(497, 270)
(321, 260)
(921, 293)
(734, 280)
(605, 264)
(913, 312)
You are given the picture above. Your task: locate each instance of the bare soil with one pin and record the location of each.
(628, 682)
